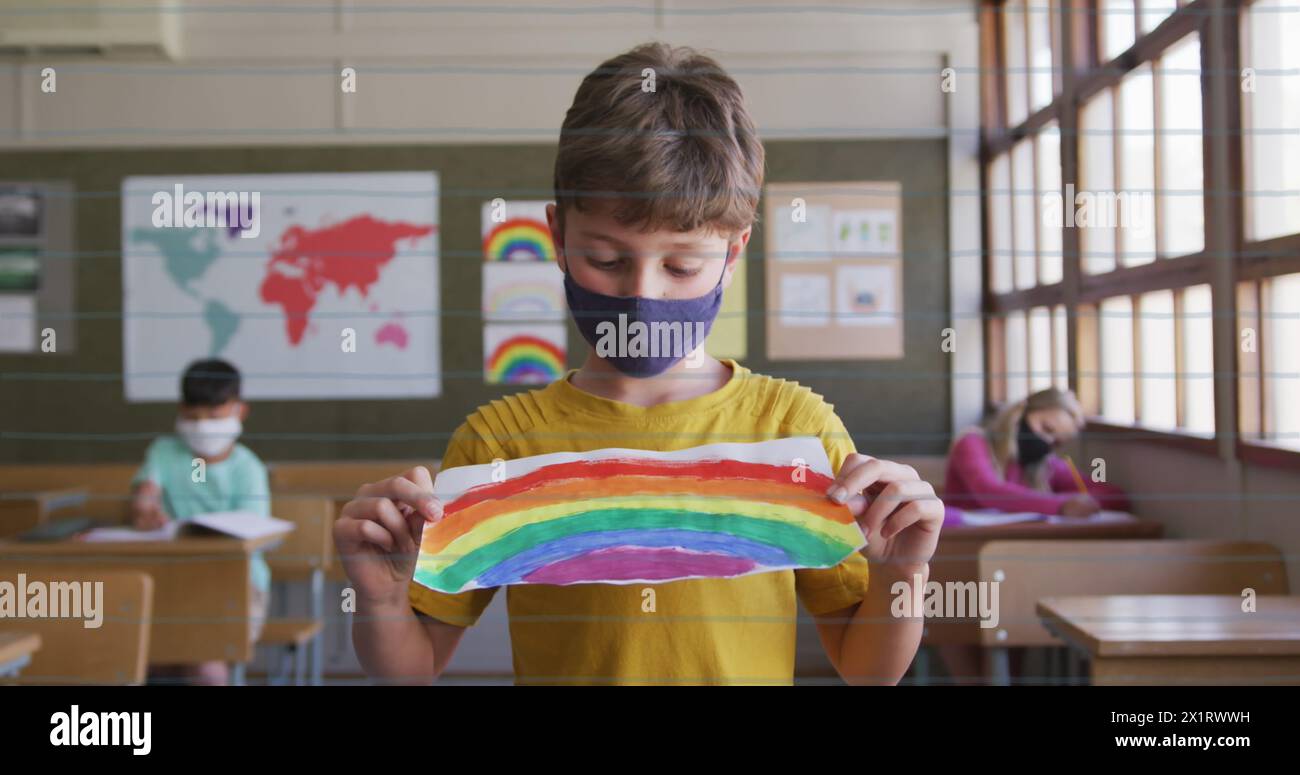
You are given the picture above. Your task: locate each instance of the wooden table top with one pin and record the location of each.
(1122, 526)
(181, 545)
(15, 645)
(1176, 625)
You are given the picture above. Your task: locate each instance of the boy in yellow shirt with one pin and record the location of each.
(657, 190)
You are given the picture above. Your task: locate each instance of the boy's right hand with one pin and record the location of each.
(377, 535)
(146, 507)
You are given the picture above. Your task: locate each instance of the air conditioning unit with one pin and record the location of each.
(135, 28)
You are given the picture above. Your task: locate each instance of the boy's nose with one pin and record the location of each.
(642, 283)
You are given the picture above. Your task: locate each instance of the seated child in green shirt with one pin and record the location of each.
(202, 469)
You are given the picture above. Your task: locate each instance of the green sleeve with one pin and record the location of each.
(151, 469)
(255, 490)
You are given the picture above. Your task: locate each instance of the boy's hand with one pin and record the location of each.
(146, 507)
(378, 534)
(899, 513)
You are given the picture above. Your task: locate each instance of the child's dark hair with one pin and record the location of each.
(211, 382)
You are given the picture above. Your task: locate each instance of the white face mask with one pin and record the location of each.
(210, 438)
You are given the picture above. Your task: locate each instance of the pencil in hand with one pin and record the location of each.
(1078, 480)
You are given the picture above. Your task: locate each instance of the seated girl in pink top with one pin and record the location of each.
(1009, 465)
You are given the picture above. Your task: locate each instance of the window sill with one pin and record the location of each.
(1262, 453)
(1183, 440)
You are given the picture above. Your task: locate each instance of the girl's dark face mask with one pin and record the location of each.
(1030, 447)
(642, 337)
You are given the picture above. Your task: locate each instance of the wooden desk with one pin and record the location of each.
(956, 558)
(16, 649)
(1180, 639)
(20, 511)
(201, 600)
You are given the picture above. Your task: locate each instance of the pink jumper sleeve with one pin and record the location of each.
(974, 482)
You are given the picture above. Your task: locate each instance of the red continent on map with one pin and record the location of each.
(350, 253)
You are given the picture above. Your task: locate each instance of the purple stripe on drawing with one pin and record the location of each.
(636, 562)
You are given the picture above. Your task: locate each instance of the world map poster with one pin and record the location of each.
(316, 286)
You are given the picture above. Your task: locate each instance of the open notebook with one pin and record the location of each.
(237, 524)
(990, 518)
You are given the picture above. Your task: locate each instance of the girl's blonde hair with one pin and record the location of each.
(1001, 430)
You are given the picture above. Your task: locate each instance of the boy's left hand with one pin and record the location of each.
(897, 510)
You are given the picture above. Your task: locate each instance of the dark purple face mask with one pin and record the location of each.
(642, 337)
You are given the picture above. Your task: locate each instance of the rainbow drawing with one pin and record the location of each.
(523, 292)
(519, 239)
(523, 355)
(621, 516)
(523, 301)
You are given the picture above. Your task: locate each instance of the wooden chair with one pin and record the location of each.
(21, 511)
(338, 480)
(1030, 570)
(107, 485)
(303, 557)
(296, 639)
(931, 468)
(117, 652)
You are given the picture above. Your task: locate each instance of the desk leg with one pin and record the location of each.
(318, 613)
(997, 665)
(300, 665)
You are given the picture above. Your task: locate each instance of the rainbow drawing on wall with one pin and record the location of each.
(516, 230)
(620, 516)
(519, 239)
(523, 292)
(523, 354)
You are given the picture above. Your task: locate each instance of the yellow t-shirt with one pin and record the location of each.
(739, 630)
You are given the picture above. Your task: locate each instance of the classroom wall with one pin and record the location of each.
(1197, 495)
(449, 72)
(70, 407)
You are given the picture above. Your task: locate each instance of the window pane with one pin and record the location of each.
(1116, 344)
(1040, 349)
(1049, 185)
(1182, 217)
(1198, 360)
(1272, 116)
(1096, 173)
(1283, 360)
(1000, 223)
(1134, 211)
(1060, 351)
(1115, 27)
(1154, 12)
(1022, 173)
(1158, 378)
(1040, 53)
(1013, 55)
(1017, 364)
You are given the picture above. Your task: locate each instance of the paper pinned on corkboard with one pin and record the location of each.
(834, 270)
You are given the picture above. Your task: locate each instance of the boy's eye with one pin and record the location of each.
(681, 271)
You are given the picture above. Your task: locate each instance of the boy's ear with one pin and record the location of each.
(744, 238)
(243, 411)
(557, 236)
(734, 249)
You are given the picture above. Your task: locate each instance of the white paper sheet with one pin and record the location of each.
(805, 300)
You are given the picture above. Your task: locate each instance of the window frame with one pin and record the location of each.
(1082, 77)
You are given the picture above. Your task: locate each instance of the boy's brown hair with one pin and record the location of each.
(680, 157)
